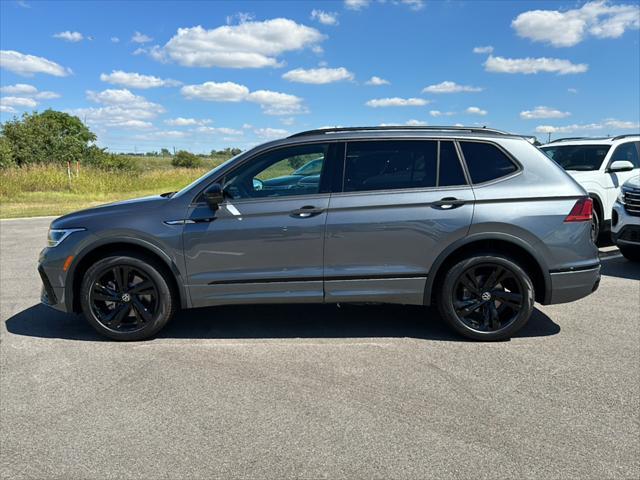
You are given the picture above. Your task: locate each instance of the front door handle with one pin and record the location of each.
(306, 212)
(447, 203)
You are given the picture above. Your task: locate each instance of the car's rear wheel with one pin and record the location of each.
(630, 252)
(486, 297)
(127, 297)
(595, 226)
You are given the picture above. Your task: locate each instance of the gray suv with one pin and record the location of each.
(476, 221)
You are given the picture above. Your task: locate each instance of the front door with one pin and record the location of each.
(265, 242)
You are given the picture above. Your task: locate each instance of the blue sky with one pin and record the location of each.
(204, 75)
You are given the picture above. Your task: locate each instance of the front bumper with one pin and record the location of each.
(574, 284)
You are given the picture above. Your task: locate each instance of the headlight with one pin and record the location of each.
(57, 235)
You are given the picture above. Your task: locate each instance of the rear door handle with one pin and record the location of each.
(306, 212)
(448, 203)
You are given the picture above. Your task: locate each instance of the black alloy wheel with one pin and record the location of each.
(128, 296)
(123, 298)
(486, 297)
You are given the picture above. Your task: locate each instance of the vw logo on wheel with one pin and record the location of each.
(486, 296)
(126, 297)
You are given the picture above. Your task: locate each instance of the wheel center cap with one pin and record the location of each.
(126, 297)
(486, 296)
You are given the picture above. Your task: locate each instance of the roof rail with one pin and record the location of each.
(321, 131)
(568, 139)
(618, 137)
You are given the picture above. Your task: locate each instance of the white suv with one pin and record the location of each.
(601, 166)
(625, 222)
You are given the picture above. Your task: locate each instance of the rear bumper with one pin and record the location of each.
(573, 285)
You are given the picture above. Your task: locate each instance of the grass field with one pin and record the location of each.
(46, 190)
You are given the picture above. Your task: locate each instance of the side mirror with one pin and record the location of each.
(214, 196)
(621, 166)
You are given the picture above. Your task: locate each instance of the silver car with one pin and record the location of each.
(476, 221)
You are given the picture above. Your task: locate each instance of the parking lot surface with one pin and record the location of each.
(317, 391)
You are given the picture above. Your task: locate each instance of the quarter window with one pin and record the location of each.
(389, 165)
(283, 172)
(486, 161)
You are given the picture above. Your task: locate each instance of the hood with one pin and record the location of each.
(633, 182)
(77, 219)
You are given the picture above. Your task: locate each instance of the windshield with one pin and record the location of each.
(209, 173)
(577, 157)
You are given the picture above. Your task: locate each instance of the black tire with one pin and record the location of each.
(630, 252)
(595, 226)
(130, 282)
(468, 283)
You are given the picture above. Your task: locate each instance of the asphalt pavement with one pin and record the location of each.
(317, 391)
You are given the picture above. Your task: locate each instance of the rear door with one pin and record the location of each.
(401, 203)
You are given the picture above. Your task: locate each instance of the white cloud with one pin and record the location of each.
(185, 122)
(19, 89)
(271, 133)
(272, 103)
(416, 123)
(543, 112)
(486, 49)
(28, 65)
(438, 113)
(216, 92)
(356, 4)
(599, 19)
(413, 4)
(115, 39)
(69, 36)
(533, 65)
(137, 80)
(325, 18)
(22, 102)
(220, 131)
(475, 111)
(121, 109)
(27, 90)
(377, 81)
(140, 38)
(247, 45)
(609, 123)
(450, 87)
(396, 102)
(7, 109)
(572, 90)
(318, 75)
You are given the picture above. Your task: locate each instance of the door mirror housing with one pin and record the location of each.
(214, 196)
(621, 166)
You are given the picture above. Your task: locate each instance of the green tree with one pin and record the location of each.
(165, 153)
(6, 153)
(186, 160)
(47, 137)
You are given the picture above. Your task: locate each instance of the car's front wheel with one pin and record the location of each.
(127, 297)
(630, 252)
(486, 297)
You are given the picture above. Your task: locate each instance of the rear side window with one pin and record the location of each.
(486, 162)
(451, 173)
(389, 165)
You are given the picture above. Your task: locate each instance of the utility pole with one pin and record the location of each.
(549, 137)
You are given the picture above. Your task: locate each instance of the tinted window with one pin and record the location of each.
(485, 161)
(384, 165)
(577, 157)
(627, 151)
(450, 169)
(284, 172)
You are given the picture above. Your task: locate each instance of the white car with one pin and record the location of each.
(625, 222)
(601, 166)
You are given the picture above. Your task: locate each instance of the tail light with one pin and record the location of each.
(581, 211)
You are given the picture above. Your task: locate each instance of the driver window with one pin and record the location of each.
(284, 172)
